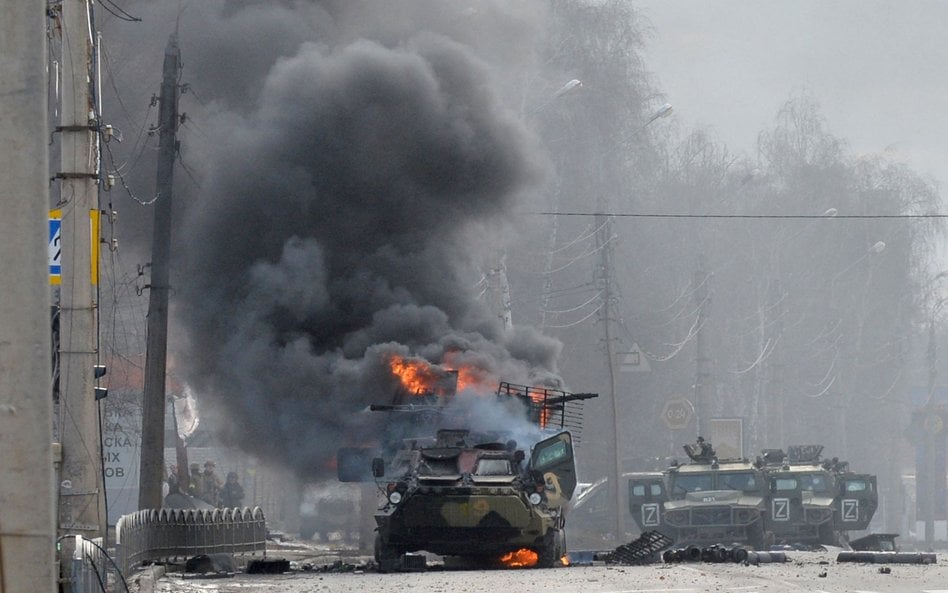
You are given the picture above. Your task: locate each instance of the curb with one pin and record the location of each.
(144, 580)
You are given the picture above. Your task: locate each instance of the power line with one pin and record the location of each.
(739, 216)
(118, 12)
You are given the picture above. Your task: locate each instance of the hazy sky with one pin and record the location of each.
(878, 68)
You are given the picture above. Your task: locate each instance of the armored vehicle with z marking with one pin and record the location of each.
(704, 502)
(474, 494)
(793, 498)
(815, 501)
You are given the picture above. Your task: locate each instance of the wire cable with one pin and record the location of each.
(744, 216)
(118, 12)
(105, 553)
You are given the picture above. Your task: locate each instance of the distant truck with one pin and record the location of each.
(794, 498)
(329, 511)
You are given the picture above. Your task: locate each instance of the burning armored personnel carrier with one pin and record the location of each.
(794, 498)
(480, 495)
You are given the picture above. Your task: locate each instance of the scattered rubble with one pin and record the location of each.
(643, 550)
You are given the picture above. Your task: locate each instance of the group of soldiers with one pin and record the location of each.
(207, 486)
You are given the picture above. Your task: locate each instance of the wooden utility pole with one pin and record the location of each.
(153, 406)
(81, 486)
(27, 537)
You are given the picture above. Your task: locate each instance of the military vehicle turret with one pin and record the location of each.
(476, 494)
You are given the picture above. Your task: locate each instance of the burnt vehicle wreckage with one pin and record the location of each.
(457, 492)
(781, 498)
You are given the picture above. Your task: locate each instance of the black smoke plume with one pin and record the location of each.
(339, 221)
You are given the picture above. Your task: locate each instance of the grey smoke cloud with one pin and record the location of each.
(336, 225)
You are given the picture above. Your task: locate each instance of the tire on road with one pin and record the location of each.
(554, 546)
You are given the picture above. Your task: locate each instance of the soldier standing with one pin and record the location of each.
(232, 495)
(211, 484)
(707, 451)
(173, 484)
(196, 486)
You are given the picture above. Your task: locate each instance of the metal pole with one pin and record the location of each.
(27, 538)
(82, 496)
(153, 404)
(701, 371)
(930, 432)
(604, 240)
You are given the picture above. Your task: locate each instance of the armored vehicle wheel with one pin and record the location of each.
(828, 535)
(758, 538)
(386, 556)
(307, 531)
(554, 546)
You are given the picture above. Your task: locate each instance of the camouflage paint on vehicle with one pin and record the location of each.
(474, 494)
(467, 496)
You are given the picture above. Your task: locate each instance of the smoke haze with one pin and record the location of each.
(345, 187)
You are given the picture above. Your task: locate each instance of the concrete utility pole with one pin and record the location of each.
(498, 288)
(81, 488)
(604, 280)
(934, 430)
(27, 526)
(702, 373)
(153, 405)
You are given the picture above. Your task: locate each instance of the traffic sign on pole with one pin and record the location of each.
(55, 246)
(634, 361)
(677, 413)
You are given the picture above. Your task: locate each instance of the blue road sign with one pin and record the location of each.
(55, 247)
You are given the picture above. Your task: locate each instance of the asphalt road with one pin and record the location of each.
(806, 571)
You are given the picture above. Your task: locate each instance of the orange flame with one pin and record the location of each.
(564, 560)
(522, 558)
(539, 400)
(470, 376)
(418, 376)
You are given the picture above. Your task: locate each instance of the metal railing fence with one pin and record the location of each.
(150, 535)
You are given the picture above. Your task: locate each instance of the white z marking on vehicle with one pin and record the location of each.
(850, 510)
(780, 509)
(650, 515)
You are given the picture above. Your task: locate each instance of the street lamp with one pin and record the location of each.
(780, 428)
(877, 247)
(604, 240)
(843, 401)
(569, 87)
(663, 111)
(497, 285)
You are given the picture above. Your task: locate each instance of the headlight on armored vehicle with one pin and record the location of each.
(535, 498)
(395, 497)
